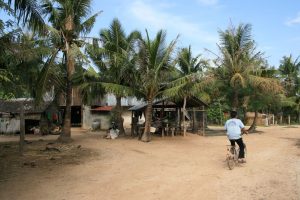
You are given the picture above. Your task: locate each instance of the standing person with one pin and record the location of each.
(235, 128)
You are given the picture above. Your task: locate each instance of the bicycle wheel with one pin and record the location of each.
(232, 157)
(230, 162)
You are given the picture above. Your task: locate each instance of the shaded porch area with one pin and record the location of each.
(167, 117)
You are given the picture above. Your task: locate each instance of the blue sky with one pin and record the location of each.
(275, 23)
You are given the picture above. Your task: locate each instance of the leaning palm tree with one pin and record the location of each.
(115, 61)
(154, 65)
(69, 22)
(264, 81)
(190, 79)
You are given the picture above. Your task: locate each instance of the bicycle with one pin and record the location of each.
(233, 155)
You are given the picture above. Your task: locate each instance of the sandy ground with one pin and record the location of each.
(178, 168)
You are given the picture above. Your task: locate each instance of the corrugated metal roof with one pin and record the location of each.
(191, 102)
(138, 107)
(13, 106)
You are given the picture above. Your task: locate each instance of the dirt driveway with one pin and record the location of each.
(167, 168)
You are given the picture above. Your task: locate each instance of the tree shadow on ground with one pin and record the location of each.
(291, 126)
(295, 140)
(41, 154)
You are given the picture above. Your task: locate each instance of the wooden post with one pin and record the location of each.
(221, 114)
(132, 125)
(184, 111)
(22, 128)
(194, 120)
(179, 120)
(203, 123)
(289, 120)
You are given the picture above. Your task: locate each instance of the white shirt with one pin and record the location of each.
(233, 127)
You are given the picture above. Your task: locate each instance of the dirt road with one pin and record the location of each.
(167, 168)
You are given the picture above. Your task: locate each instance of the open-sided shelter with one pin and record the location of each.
(167, 113)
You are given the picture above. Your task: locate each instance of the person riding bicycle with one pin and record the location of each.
(235, 128)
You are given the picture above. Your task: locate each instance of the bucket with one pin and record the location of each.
(96, 125)
(152, 129)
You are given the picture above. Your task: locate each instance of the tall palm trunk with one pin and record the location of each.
(245, 114)
(253, 125)
(70, 64)
(148, 116)
(66, 131)
(119, 117)
(184, 112)
(235, 102)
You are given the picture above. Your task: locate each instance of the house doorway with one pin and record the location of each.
(76, 116)
(30, 123)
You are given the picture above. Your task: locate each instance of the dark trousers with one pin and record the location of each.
(241, 145)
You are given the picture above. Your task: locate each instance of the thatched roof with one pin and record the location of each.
(14, 106)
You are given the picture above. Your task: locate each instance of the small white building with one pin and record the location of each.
(102, 113)
(10, 114)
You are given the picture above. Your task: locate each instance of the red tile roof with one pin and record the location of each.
(102, 108)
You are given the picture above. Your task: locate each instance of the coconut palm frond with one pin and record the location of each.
(118, 90)
(184, 80)
(287, 101)
(88, 24)
(133, 37)
(264, 84)
(75, 52)
(49, 77)
(91, 90)
(98, 56)
(91, 72)
(203, 84)
(204, 96)
(237, 79)
(29, 12)
(176, 91)
(5, 76)
(167, 55)
(54, 32)
(6, 7)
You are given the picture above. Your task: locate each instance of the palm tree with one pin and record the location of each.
(289, 70)
(289, 74)
(190, 79)
(255, 94)
(69, 22)
(115, 61)
(21, 58)
(239, 63)
(154, 65)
